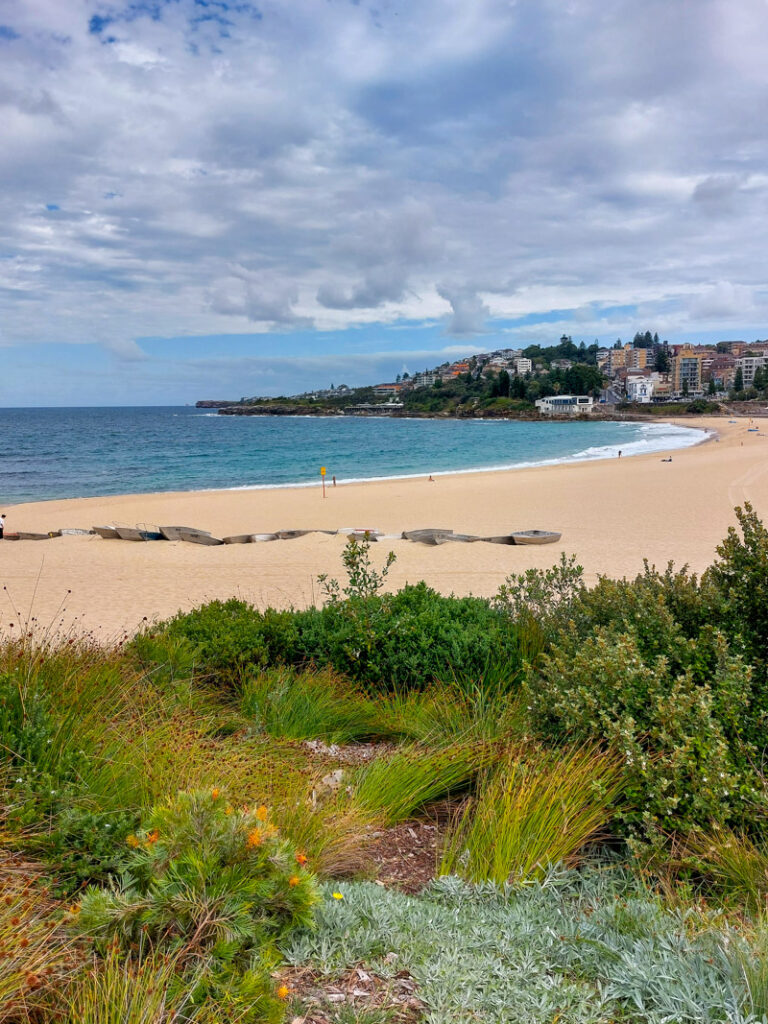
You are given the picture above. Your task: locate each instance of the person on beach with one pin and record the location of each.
(431, 480)
(2, 524)
(334, 480)
(619, 452)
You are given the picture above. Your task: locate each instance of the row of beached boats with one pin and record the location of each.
(429, 535)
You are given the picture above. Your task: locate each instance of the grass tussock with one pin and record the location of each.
(35, 952)
(398, 786)
(532, 809)
(309, 705)
(735, 863)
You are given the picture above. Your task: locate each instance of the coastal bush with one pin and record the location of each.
(383, 641)
(534, 809)
(204, 879)
(740, 575)
(671, 706)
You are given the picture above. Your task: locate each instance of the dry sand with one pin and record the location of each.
(611, 513)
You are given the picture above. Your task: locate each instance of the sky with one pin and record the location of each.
(227, 198)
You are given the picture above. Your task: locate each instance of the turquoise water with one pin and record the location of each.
(67, 453)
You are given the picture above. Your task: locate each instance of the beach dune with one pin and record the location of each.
(612, 514)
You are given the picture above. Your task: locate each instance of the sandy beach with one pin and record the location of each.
(612, 514)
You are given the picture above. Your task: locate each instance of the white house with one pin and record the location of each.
(523, 366)
(639, 390)
(565, 405)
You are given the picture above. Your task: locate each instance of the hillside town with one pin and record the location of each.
(561, 379)
(640, 372)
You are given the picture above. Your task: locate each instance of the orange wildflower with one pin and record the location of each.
(254, 838)
(283, 992)
(293, 880)
(215, 792)
(300, 858)
(153, 836)
(262, 813)
(133, 842)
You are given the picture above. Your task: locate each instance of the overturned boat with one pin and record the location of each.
(535, 537)
(192, 536)
(107, 532)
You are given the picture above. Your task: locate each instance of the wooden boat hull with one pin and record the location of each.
(535, 537)
(240, 538)
(456, 538)
(24, 535)
(172, 532)
(198, 537)
(262, 538)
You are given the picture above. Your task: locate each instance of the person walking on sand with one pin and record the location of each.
(2, 524)
(619, 452)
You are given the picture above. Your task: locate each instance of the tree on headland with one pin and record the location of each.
(738, 380)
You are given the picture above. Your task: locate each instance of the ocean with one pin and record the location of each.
(69, 453)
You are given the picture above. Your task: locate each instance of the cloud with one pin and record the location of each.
(470, 313)
(194, 167)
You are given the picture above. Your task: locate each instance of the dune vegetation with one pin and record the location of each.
(549, 806)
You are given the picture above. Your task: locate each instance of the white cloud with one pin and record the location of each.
(341, 164)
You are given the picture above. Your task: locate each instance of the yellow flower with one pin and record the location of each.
(229, 809)
(215, 792)
(283, 992)
(293, 880)
(133, 842)
(254, 838)
(262, 813)
(338, 895)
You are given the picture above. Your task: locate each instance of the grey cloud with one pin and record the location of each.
(505, 158)
(470, 313)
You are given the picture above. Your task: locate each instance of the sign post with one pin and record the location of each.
(322, 476)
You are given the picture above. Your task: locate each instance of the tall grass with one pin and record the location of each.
(736, 864)
(534, 809)
(455, 712)
(309, 705)
(120, 991)
(34, 952)
(399, 785)
(750, 967)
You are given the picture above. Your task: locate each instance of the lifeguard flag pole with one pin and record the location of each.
(322, 477)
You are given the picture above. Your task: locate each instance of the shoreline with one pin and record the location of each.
(612, 514)
(568, 460)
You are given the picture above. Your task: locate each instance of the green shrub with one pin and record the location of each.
(383, 641)
(534, 809)
(205, 879)
(741, 577)
(672, 707)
